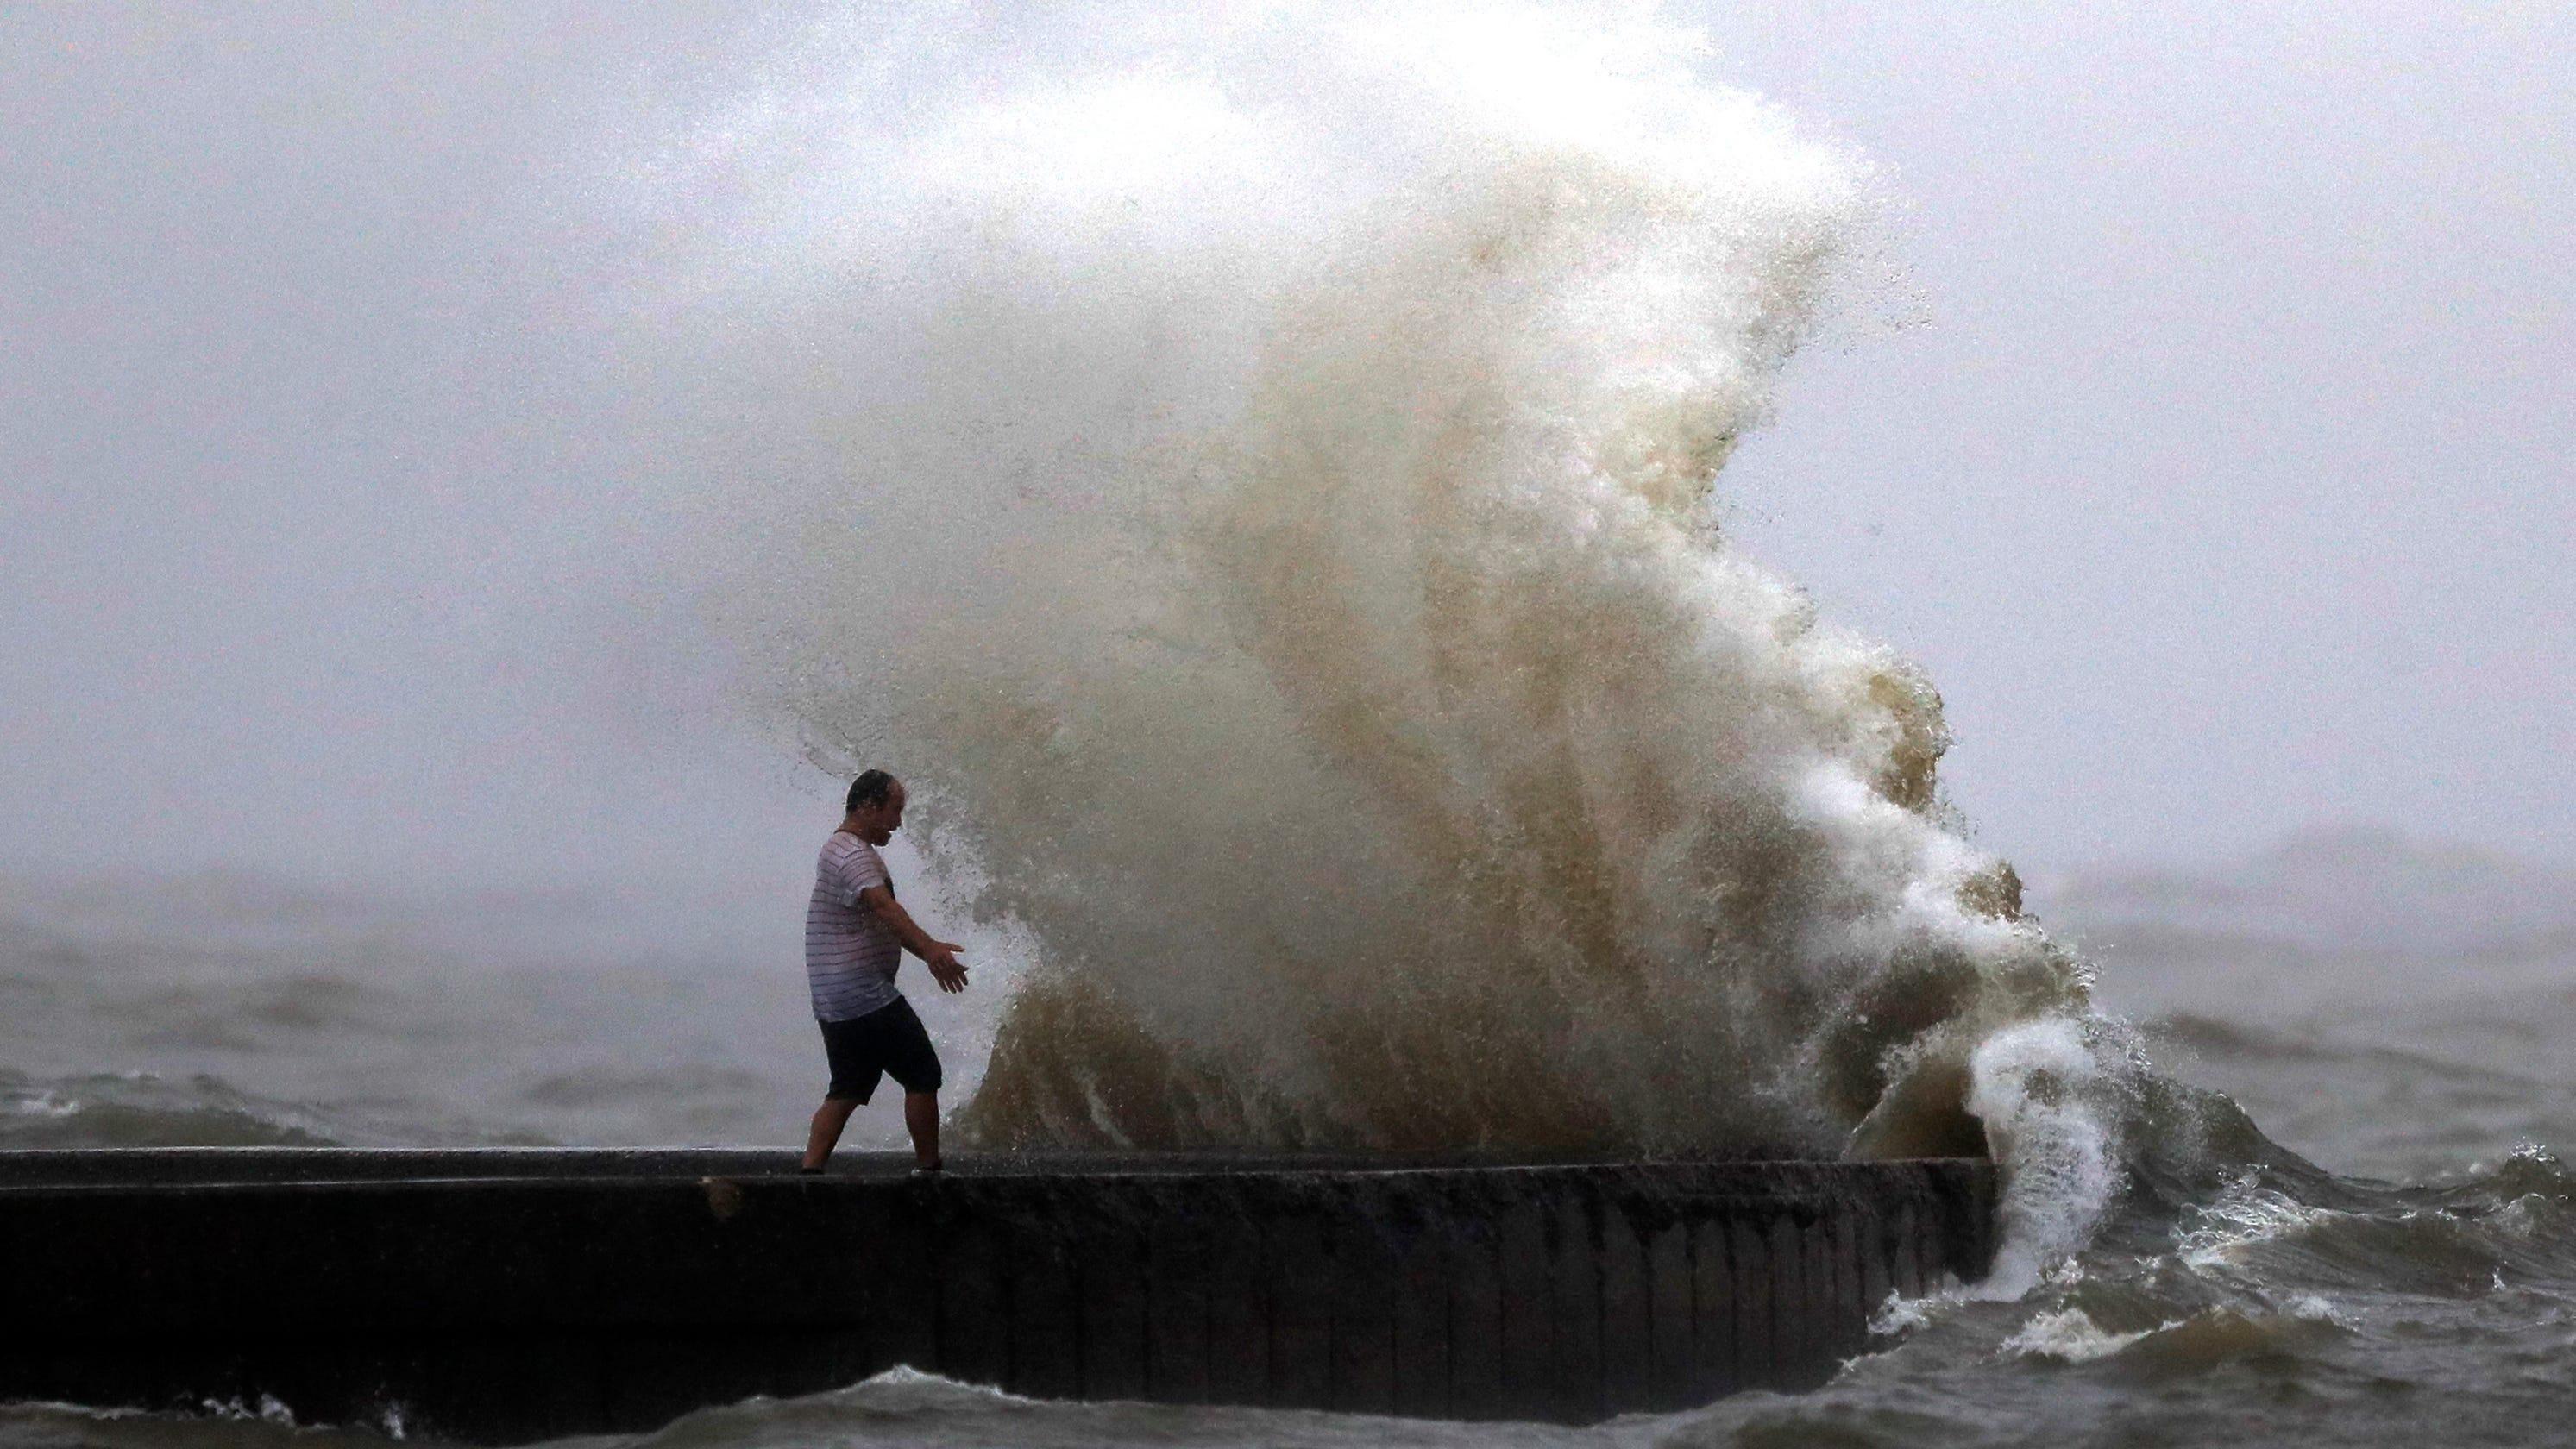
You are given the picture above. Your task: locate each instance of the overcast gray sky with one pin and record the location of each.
(2224, 489)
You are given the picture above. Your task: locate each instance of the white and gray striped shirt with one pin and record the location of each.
(850, 954)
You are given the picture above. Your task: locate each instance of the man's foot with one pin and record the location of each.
(809, 1172)
(930, 1169)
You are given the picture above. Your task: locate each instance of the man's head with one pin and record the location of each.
(875, 810)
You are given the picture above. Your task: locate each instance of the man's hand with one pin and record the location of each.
(945, 968)
(939, 956)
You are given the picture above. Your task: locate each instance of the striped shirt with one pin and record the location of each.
(850, 953)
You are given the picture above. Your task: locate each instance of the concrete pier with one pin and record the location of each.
(507, 1295)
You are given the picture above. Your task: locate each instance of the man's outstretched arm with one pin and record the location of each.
(939, 956)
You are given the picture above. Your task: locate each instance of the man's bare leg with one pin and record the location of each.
(829, 1119)
(921, 1114)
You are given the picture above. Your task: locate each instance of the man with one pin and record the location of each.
(855, 935)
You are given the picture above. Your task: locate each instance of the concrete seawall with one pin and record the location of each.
(510, 1295)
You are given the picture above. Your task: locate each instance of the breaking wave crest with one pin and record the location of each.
(1299, 601)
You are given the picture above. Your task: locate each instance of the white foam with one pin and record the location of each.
(2040, 1088)
(2070, 1335)
(44, 1104)
(2242, 1216)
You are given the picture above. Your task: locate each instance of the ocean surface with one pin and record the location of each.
(2395, 1265)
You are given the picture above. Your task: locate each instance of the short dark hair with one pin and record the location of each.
(870, 789)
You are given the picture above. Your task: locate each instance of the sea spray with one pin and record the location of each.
(2039, 1087)
(1298, 597)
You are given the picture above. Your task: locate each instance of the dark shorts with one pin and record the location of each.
(887, 1041)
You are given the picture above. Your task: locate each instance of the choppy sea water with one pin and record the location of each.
(2395, 1264)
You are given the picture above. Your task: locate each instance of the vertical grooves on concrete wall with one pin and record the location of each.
(1420, 1308)
(1536, 1293)
(1476, 1317)
(1627, 1309)
(1520, 1274)
(1576, 1278)
(1448, 1334)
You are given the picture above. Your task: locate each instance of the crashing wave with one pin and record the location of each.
(1298, 598)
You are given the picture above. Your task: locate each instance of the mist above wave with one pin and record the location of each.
(1262, 492)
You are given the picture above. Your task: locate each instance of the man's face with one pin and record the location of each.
(878, 823)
